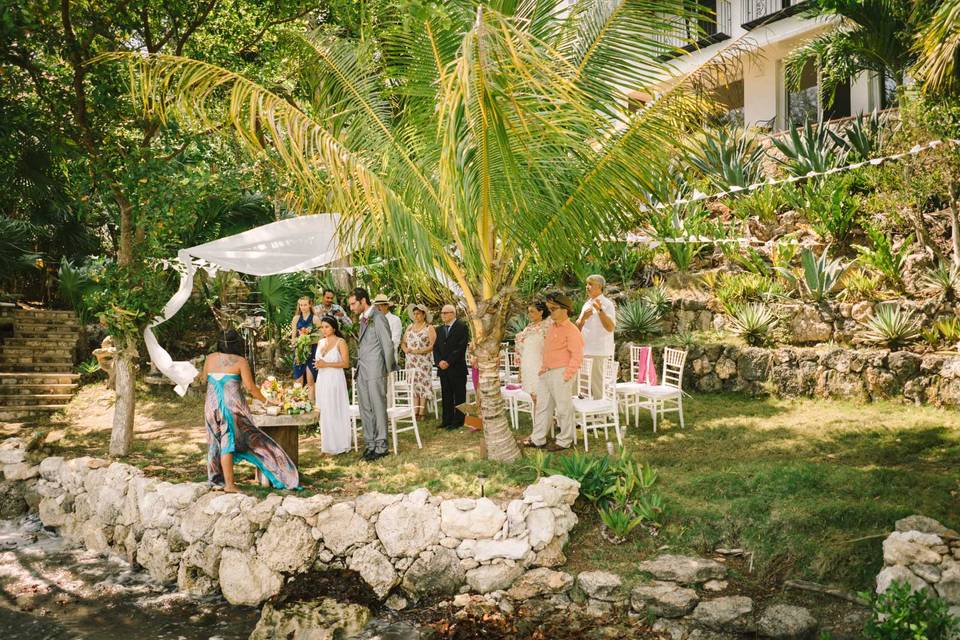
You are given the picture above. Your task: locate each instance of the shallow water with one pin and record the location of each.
(51, 589)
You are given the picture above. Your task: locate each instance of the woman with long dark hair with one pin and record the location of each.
(334, 406)
(231, 434)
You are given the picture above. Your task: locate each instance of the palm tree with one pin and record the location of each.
(466, 139)
(938, 49)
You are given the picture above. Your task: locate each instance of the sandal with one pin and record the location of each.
(527, 442)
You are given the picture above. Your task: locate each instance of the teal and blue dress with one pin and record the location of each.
(230, 429)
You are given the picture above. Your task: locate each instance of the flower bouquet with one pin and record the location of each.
(297, 400)
(303, 349)
(272, 390)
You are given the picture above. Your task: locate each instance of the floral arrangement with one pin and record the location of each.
(292, 400)
(303, 349)
(272, 390)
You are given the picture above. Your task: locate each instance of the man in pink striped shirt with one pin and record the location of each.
(562, 355)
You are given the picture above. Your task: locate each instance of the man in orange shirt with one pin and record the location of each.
(562, 355)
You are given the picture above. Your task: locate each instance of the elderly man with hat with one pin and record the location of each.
(562, 355)
(383, 303)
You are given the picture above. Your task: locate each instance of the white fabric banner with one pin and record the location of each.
(287, 246)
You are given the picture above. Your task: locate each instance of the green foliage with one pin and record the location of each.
(942, 280)
(944, 331)
(746, 257)
(126, 298)
(88, 367)
(891, 326)
(592, 472)
(658, 297)
(540, 462)
(15, 252)
(820, 276)
(882, 256)
(516, 324)
(638, 318)
(862, 138)
(727, 158)
(278, 295)
(763, 202)
(683, 224)
(900, 613)
(754, 323)
(829, 206)
(807, 149)
(860, 284)
(733, 289)
(73, 284)
(619, 521)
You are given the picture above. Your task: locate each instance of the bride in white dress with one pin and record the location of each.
(331, 384)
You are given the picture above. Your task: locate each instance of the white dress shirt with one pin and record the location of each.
(396, 330)
(597, 341)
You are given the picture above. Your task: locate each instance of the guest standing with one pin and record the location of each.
(375, 362)
(303, 323)
(332, 401)
(417, 344)
(329, 307)
(231, 433)
(449, 352)
(383, 304)
(530, 346)
(597, 320)
(562, 355)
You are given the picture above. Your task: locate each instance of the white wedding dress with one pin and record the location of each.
(333, 404)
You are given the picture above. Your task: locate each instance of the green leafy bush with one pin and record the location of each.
(638, 318)
(882, 256)
(829, 206)
(891, 326)
(618, 520)
(73, 284)
(764, 203)
(727, 158)
(900, 613)
(943, 331)
(860, 284)
(808, 149)
(754, 323)
(684, 224)
(733, 289)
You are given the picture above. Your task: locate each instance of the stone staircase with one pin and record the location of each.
(36, 363)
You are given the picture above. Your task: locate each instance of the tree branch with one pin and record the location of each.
(245, 47)
(193, 26)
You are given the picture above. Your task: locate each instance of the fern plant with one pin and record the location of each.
(754, 323)
(892, 327)
(727, 158)
(639, 318)
(808, 149)
(883, 257)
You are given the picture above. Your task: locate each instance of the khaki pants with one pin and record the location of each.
(554, 393)
(596, 375)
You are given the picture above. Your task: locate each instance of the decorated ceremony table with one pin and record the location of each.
(285, 429)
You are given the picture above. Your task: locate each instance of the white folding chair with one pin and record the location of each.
(510, 376)
(402, 406)
(602, 413)
(582, 390)
(511, 367)
(666, 397)
(628, 392)
(354, 408)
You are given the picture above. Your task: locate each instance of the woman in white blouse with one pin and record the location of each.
(530, 346)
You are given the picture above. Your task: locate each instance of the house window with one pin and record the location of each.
(730, 98)
(803, 104)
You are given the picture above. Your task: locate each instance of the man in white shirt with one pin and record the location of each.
(597, 320)
(383, 303)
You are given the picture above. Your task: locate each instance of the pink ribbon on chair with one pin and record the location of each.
(646, 370)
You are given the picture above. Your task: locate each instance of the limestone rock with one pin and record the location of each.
(730, 613)
(484, 550)
(12, 501)
(663, 599)
(911, 547)
(342, 528)
(20, 471)
(181, 495)
(808, 327)
(517, 511)
(371, 504)
(50, 468)
(13, 455)
(601, 585)
(468, 518)
(552, 491)
(683, 569)
(261, 514)
(233, 531)
(927, 572)
(493, 577)
(551, 555)
(156, 554)
(323, 619)
(787, 622)
(245, 580)
(899, 573)
(287, 545)
(305, 507)
(195, 523)
(923, 524)
(375, 569)
(540, 582)
(542, 526)
(436, 572)
(949, 586)
(408, 527)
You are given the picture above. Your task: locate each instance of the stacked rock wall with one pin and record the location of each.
(207, 541)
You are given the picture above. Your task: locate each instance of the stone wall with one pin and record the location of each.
(926, 555)
(826, 371)
(207, 541)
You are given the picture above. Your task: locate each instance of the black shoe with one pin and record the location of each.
(369, 455)
(377, 455)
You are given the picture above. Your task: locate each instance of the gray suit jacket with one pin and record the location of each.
(375, 356)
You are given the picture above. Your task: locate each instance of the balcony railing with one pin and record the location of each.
(690, 33)
(753, 13)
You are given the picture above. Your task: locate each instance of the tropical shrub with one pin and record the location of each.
(733, 289)
(638, 318)
(829, 206)
(727, 158)
(72, 284)
(943, 331)
(764, 203)
(808, 149)
(900, 613)
(680, 224)
(882, 256)
(754, 323)
(819, 275)
(862, 138)
(860, 284)
(516, 324)
(891, 326)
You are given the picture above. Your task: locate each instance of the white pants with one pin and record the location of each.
(598, 364)
(554, 394)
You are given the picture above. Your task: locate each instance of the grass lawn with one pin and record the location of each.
(795, 482)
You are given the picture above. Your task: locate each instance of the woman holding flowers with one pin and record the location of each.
(302, 331)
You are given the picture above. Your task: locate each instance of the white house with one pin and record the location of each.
(771, 29)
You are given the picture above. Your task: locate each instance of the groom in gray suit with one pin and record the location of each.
(375, 361)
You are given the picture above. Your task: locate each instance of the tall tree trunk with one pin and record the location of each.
(955, 222)
(121, 437)
(501, 445)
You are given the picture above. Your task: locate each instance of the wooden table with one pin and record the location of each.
(285, 430)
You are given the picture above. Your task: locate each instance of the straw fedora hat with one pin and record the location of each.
(421, 307)
(382, 298)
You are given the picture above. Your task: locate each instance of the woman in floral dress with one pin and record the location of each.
(417, 344)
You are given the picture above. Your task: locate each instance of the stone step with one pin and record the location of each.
(50, 341)
(17, 351)
(45, 399)
(44, 313)
(39, 378)
(33, 325)
(60, 361)
(36, 367)
(42, 334)
(33, 388)
(15, 413)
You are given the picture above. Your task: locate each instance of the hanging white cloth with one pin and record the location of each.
(287, 246)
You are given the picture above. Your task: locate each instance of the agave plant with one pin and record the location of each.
(754, 323)
(891, 326)
(638, 318)
(942, 281)
(862, 138)
(808, 149)
(619, 521)
(820, 274)
(658, 297)
(727, 158)
(515, 325)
